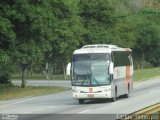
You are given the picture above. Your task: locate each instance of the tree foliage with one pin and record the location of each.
(99, 19)
(38, 32)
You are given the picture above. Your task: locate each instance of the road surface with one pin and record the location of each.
(62, 106)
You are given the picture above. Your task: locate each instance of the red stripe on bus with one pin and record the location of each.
(127, 74)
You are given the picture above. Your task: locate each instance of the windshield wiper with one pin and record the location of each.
(94, 80)
(82, 78)
(87, 79)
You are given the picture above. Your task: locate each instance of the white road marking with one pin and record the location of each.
(16, 102)
(27, 113)
(58, 93)
(84, 111)
(116, 102)
(39, 110)
(21, 101)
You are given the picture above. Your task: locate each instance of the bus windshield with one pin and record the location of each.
(90, 69)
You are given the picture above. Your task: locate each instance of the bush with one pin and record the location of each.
(5, 68)
(5, 78)
(142, 65)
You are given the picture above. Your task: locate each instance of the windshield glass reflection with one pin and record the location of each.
(90, 69)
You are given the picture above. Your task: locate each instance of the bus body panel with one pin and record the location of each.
(91, 92)
(121, 80)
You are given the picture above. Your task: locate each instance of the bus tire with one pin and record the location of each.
(81, 101)
(113, 99)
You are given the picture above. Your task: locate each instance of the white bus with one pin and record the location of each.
(101, 71)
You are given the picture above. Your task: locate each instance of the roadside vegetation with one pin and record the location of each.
(39, 36)
(139, 75)
(145, 74)
(9, 91)
(36, 76)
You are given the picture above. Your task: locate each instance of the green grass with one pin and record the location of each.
(8, 92)
(145, 74)
(34, 76)
(138, 75)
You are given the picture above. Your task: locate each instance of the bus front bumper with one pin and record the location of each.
(91, 95)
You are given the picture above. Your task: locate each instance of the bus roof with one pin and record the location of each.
(100, 48)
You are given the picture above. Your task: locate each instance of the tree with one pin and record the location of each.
(32, 23)
(47, 32)
(68, 30)
(148, 45)
(7, 38)
(99, 19)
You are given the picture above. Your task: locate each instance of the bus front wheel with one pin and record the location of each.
(81, 101)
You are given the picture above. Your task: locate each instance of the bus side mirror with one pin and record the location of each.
(111, 68)
(68, 69)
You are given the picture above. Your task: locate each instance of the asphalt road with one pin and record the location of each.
(62, 106)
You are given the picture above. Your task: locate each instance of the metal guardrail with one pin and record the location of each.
(148, 113)
(149, 110)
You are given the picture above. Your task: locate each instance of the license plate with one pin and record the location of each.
(90, 95)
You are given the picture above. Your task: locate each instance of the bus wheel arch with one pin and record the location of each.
(113, 99)
(129, 89)
(127, 92)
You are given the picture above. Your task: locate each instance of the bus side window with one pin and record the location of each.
(121, 58)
